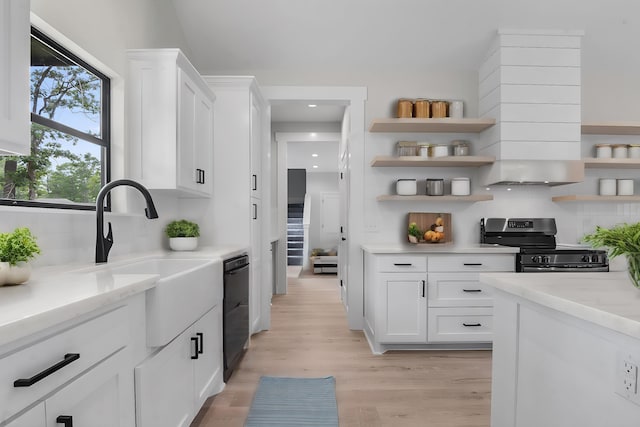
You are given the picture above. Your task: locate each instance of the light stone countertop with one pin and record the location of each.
(395, 248)
(606, 299)
(55, 294)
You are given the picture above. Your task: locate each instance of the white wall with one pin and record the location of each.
(317, 184)
(104, 30)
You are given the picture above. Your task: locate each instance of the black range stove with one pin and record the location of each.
(538, 250)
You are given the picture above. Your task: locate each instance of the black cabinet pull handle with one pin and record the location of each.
(402, 264)
(255, 211)
(472, 325)
(255, 182)
(424, 285)
(200, 342)
(67, 420)
(194, 340)
(472, 263)
(202, 176)
(472, 290)
(28, 382)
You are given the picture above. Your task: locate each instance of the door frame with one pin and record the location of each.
(354, 97)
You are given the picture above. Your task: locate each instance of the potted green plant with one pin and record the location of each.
(622, 239)
(183, 235)
(16, 250)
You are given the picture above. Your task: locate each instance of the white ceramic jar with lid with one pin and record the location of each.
(607, 187)
(406, 187)
(625, 187)
(460, 186)
(634, 151)
(603, 151)
(456, 109)
(439, 150)
(619, 151)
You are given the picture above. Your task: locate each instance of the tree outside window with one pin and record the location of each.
(69, 133)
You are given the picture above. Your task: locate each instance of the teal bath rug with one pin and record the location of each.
(296, 402)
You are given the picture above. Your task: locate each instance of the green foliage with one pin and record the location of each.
(414, 230)
(18, 246)
(622, 239)
(182, 228)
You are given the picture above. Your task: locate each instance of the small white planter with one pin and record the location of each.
(14, 274)
(183, 243)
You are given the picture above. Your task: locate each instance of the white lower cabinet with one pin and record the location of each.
(103, 397)
(173, 383)
(402, 317)
(32, 418)
(429, 299)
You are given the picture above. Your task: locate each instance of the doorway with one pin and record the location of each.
(351, 134)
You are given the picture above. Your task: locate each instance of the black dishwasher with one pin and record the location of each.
(235, 314)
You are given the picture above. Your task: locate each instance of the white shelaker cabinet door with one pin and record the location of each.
(14, 77)
(256, 149)
(103, 397)
(187, 101)
(33, 418)
(207, 368)
(203, 145)
(402, 304)
(164, 386)
(255, 265)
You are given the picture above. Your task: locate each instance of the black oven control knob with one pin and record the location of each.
(545, 259)
(536, 259)
(595, 258)
(585, 258)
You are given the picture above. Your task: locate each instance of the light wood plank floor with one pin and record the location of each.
(309, 338)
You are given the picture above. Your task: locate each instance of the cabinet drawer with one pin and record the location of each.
(93, 341)
(473, 324)
(458, 290)
(401, 263)
(471, 262)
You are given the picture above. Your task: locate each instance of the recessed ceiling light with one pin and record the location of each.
(312, 134)
(312, 105)
(314, 155)
(315, 166)
(508, 189)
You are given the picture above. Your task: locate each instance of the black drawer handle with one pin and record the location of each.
(472, 325)
(424, 285)
(472, 263)
(67, 420)
(472, 290)
(402, 264)
(194, 354)
(28, 382)
(255, 182)
(200, 342)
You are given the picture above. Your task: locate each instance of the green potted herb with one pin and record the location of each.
(622, 239)
(183, 235)
(16, 250)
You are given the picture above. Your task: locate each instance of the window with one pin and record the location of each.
(69, 160)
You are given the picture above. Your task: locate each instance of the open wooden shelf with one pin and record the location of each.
(471, 198)
(597, 163)
(611, 128)
(595, 198)
(447, 124)
(417, 161)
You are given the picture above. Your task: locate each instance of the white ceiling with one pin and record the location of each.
(299, 156)
(335, 36)
(301, 112)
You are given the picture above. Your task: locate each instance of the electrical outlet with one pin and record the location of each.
(627, 378)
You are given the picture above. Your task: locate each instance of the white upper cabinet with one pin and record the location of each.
(14, 77)
(171, 123)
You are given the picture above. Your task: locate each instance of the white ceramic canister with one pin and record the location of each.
(603, 151)
(423, 149)
(460, 186)
(625, 187)
(406, 187)
(634, 151)
(607, 187)
(620, 151)
(439, 150)
(456, 109)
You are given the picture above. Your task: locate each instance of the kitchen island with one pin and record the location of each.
(562, 344)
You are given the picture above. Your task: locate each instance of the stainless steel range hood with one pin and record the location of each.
(533, 172)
